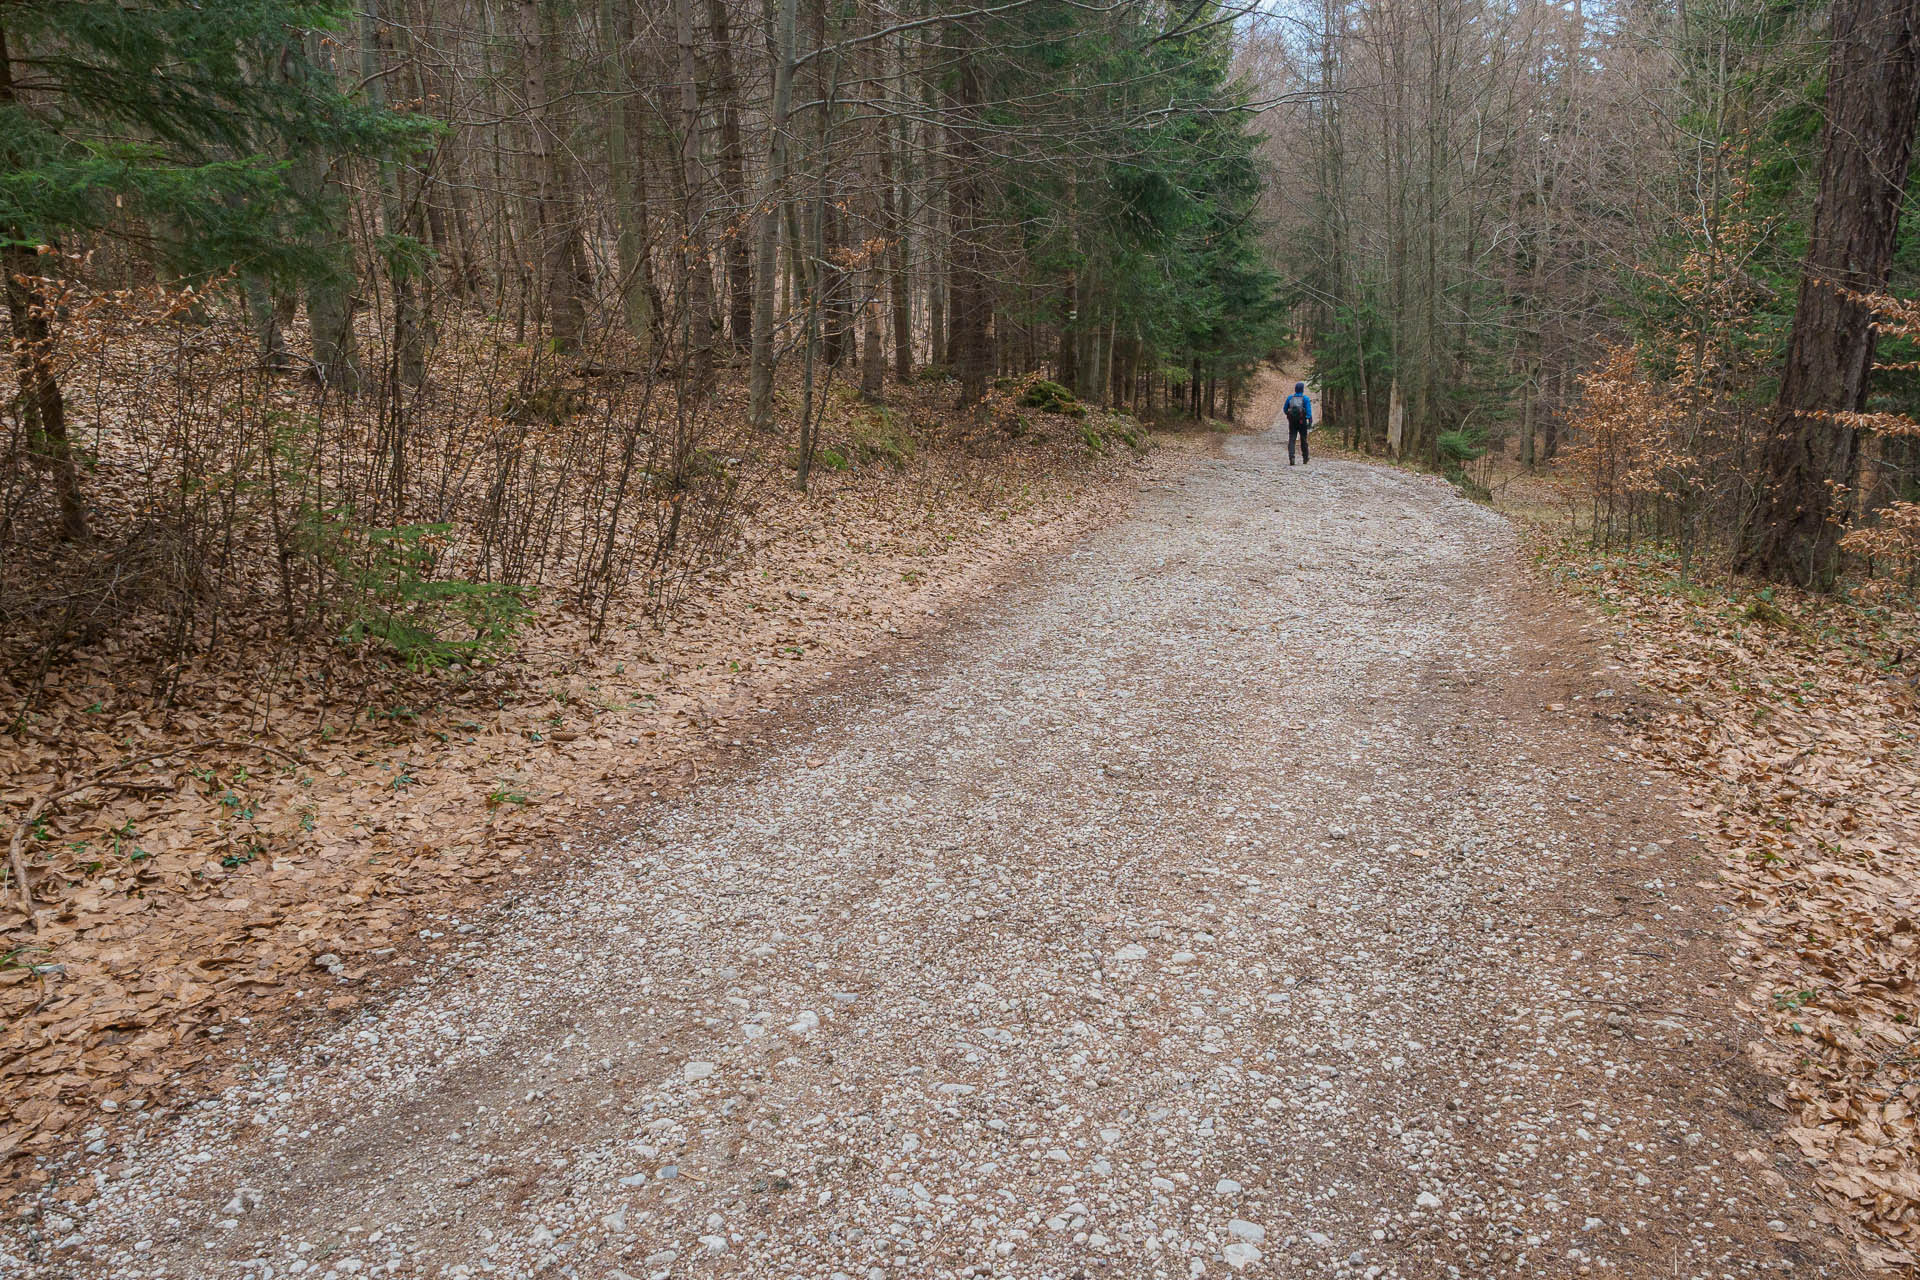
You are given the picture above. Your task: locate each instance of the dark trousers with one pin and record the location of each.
(1300, 434)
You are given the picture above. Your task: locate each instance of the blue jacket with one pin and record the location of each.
(1304, 399)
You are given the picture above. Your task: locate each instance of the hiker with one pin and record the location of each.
(1299, 411)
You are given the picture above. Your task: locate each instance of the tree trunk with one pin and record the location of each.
(767, 232)
(43, 408)
(448, 217)
(263, 311)
(696, 265)
(626, 173)
(971, 290)
(399, 218)
(733, 182)
(1873, 92)
(563, 281)
(878, 230)
(835, 282)
(894, 218)
(330, 292)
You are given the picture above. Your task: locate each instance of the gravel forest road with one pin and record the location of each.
(1227, 897)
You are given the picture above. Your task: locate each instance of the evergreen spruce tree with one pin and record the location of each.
(168, 124)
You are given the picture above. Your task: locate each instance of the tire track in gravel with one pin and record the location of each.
(1222, 899)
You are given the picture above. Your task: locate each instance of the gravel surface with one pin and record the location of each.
(1238, 894)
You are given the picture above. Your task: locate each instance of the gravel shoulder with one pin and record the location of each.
(1255, 889)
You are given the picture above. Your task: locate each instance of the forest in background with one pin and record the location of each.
(366, 327)
(1656, 244)
(370, 325)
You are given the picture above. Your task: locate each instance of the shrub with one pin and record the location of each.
(1051, 397)
(882, 439)
(1462, 446)
(388, 596)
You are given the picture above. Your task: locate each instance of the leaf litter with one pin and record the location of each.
(1792, 720)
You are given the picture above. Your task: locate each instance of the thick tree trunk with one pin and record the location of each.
(448, 216)
(626, 173)
(835, 282)
(939, 241)
(564, 280)
(696, 264)
(894, 219)
(43, 407)
(767, 230)
(733, 182)
(400, 218)
(1873, 92)
(873, 353)
(972, 290)
(330, 293)
(268, 332)
(877, 230)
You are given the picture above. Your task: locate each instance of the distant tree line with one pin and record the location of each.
(1486, 203)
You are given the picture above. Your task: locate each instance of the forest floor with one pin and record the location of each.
(1260, 887)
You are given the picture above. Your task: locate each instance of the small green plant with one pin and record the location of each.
(1763, 610)
(1051, 397)
(1462, 446)
(390, 597)
(500, 796)
(241, 857)
(882, 438)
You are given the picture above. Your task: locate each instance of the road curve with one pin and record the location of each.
(1226, 898)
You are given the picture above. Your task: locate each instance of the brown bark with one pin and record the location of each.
(635, 289)
(696, 264)
(1873, 93)
(971, 290)
(893, 214)
(43, 407)
(767, 233)
(733, 182)
(564, 278)
(448, 217)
